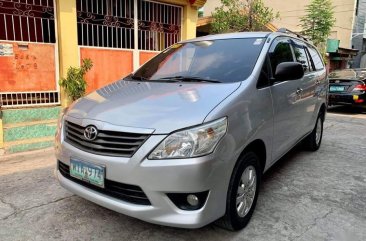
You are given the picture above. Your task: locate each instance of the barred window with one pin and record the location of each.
(159, 25)
(110, 23)
(106, 23)
(27, 20)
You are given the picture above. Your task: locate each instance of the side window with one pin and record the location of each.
(280, 52)
(318, 62)
(301, 57)
(311, 62)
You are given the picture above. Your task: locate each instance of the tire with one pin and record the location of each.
(313, 140)
(232, 220)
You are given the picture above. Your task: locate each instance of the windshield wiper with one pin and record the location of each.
(140, 78)
(189, 79)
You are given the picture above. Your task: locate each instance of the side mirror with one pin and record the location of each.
(289, 71)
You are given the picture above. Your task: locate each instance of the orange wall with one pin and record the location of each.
(30, 68)
(108, 66)
(146, 56)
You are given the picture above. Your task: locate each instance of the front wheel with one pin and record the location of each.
(314, 140)
(243, 193)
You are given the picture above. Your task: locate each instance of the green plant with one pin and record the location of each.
(75, 84)
(242, 15)
(318, 22)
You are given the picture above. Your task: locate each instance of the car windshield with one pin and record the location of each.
(223, 61)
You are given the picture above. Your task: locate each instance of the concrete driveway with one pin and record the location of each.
(306, 196)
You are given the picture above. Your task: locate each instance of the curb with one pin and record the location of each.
(5, 157)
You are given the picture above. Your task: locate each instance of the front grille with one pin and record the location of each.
(107, 143)
(125, 192)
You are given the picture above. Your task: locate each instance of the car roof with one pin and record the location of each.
(242, 35)
(230, 36)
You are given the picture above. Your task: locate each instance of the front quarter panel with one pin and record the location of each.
(250, 114)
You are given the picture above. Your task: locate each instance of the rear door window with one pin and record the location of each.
(301, 57)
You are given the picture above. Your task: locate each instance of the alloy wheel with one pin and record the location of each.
(246, 191)
(319, 130)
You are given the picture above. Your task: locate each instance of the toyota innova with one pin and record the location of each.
(185, 139)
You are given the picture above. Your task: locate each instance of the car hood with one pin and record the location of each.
(164, 107)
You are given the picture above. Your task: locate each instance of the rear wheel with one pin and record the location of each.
(314, 140)
(243, 193)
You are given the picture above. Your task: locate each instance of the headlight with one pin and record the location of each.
(198, 141)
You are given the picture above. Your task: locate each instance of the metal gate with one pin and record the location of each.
(121, 34)
(110, 24)
(28, 53)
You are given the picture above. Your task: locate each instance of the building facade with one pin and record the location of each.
(41, 39)
(359, 35)
(292, 11)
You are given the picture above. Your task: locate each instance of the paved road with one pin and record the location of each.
(306, 196)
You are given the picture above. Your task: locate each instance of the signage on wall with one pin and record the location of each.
(25, 62)
(6, 50)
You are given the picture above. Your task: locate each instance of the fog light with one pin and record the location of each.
(189, 201)
(193, 200)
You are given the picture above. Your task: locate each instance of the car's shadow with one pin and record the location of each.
(347, 110)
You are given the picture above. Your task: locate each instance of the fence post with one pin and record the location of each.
(190, 17)
(67, 39)
(1, 131)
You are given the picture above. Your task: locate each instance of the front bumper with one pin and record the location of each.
(157, 178)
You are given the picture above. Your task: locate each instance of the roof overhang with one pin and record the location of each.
(352, 52)
(343, 54)
(197, 3)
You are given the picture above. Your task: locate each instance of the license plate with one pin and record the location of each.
(87, 172)
(336, 88)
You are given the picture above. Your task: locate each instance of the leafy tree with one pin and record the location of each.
(318, 21)
(75, 83)
(241, 15)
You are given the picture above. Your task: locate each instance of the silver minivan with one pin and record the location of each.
(185, 140)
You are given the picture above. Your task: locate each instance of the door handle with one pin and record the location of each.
(317, 82)
(299, 91)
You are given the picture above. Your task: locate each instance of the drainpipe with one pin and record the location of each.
(1, 133)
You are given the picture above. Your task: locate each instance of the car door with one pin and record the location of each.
(285, 94)
(307, 99)
(321, 80)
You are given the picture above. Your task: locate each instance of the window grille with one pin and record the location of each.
(27, 20)
(159, 25)
(110, 23)
(106, 23)
(24, 99)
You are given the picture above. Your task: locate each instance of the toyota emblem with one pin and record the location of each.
(90, 133)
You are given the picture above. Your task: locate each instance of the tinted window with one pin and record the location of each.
(280, 52)
(300, 56)
(318, 63)
(312, 66)
(228, 60)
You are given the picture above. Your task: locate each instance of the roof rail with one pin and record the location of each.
(285, 30)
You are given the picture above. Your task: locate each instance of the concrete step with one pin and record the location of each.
(29, 129)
